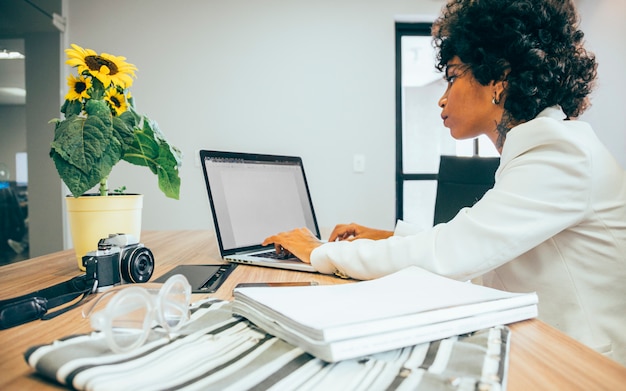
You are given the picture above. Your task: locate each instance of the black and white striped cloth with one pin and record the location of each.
(216, 351)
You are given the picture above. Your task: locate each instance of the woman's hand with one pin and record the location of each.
(300, 242)
(354, 231)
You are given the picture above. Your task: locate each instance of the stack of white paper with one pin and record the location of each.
(337, 322)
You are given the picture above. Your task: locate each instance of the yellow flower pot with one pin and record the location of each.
(93, 217)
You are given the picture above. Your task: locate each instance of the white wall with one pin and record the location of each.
(308, 78)
(311, 78)
(605, 29)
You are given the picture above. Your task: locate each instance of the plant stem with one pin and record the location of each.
(103, 186)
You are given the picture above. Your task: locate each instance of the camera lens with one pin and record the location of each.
(137, 265)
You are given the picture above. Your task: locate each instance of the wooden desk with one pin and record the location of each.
(541, 357)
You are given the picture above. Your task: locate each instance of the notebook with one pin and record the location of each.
(253, 196)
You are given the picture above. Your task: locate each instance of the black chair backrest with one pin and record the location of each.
(461, 182)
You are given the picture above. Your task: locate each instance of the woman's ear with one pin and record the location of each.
(498, 90)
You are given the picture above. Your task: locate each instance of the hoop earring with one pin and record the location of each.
(495, 101)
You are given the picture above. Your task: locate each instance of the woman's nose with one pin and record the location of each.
(442, 101)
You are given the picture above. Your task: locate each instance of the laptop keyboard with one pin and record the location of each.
(274, 255)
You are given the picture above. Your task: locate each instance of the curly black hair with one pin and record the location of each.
(534, 45)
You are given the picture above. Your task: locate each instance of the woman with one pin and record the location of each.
(555, 221)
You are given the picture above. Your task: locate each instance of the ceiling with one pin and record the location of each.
(18, 18)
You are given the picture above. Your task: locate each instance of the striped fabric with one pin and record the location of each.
(216, 351)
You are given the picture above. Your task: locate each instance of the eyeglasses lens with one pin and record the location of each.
(133, 311)
(175, 305)
(130, 320)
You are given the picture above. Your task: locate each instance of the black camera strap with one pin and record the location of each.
(35, 305)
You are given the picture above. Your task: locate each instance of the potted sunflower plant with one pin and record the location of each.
(100, 128)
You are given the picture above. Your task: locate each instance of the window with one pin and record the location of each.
(421, 137)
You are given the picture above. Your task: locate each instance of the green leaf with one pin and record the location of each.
(173, 152)
(100, 109)
(71, 107)
(143, 152)
(76, 180)
(85, 150)
(123, 132)
(97, 89)
(130, 118)
(147, 143)
(150, 149)
(169, 181)
(168, 163)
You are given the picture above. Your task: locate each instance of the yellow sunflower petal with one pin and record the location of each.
(116, 101)
(119, 70)
(77, 55)
(79, 87)
(103, 77)
(105, 70)
(126, 80)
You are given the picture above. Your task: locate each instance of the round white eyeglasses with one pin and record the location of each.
(131, 314)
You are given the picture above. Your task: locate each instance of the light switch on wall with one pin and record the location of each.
(358, 163)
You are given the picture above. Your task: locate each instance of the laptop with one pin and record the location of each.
(253, 196)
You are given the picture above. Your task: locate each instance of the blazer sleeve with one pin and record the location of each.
(542, 188)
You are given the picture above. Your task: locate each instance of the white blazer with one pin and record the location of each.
(554, 223)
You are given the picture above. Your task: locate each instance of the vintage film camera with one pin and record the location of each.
(120, 259)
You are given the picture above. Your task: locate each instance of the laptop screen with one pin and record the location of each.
(255, 196)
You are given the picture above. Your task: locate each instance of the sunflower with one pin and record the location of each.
(116, 100)
(105, 67)
(79, 87)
